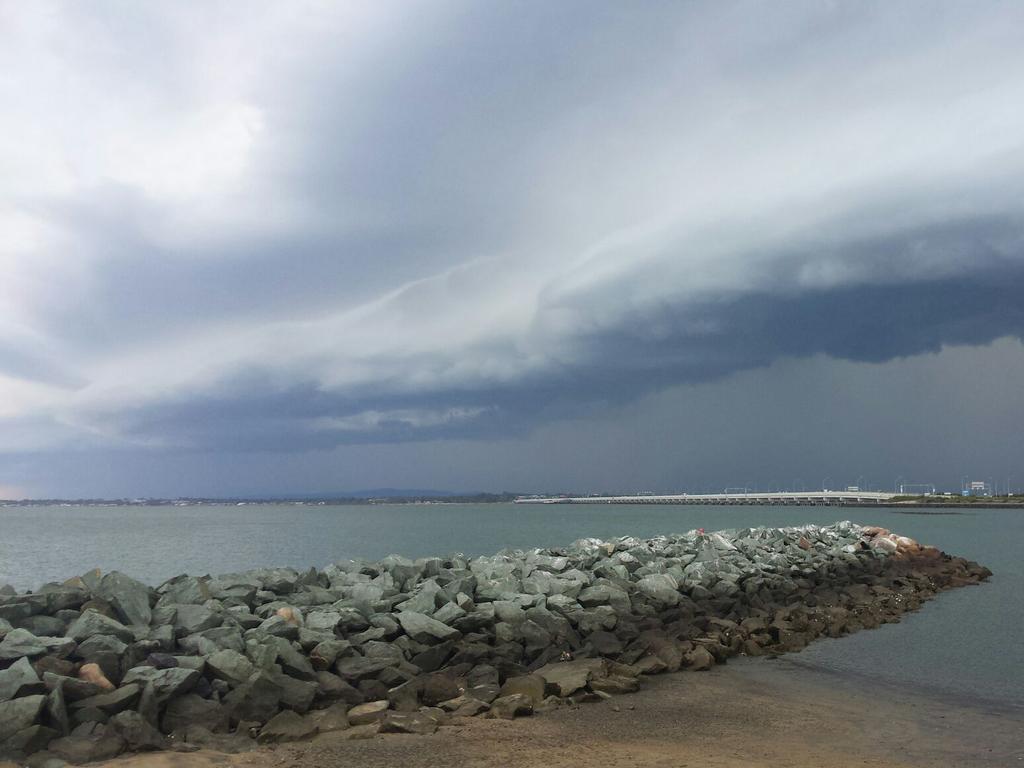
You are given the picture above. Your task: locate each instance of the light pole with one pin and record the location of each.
(824, 482)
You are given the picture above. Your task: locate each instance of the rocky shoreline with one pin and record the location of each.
(103, 664)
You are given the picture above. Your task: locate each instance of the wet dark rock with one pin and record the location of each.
(20, 679)
(28, 740)
(18, 714)
(425, 629)
(128, 597)
(509, 707)
(370, 712)
(88, 747)
(138, 734)
(408, 722)
(166, 683)
(287, 726)
(531, 686)
(230, 666)
(258, 699)
(333, 688)
(92, 623)
(20, 643)
(110, 703)
(188, 710)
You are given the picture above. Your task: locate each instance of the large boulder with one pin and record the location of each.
(531, 686)
(512, 706)
(130, 598)
(92, 623)
(230, 666)
(125, 697)
(565, 678)
(190, 709)
(258, 699)
(18, 714)
(408, 722)
(166, 683)
(424, 629)
(20, 679)
(288, 726)
(138, 734)
(370, 712)
(19, 643)
(661, 587)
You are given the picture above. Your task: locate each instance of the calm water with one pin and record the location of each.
(969, 642)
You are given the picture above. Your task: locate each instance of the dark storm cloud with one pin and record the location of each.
(290, 230)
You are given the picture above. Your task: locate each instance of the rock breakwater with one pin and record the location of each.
(101, 664)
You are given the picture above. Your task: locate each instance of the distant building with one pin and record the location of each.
(977, 488)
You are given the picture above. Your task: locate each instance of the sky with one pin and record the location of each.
(256, 248)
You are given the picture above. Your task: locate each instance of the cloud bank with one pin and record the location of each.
(257, 227)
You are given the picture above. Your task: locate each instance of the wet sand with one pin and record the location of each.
(752, 712)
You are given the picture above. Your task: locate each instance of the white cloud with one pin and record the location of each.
(807, 151)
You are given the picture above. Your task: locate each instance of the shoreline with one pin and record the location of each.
(101, 664)
(749, 713)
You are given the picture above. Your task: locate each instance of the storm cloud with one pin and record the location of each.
(285, 228)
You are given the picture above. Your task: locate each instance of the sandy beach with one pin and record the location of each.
(755, 712)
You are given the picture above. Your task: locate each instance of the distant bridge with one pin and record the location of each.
(790, 498)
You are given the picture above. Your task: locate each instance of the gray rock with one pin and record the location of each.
(661, 587)
(166, 683)
(185, 590)
(568, 677)
(322, 621)
(333, 688)
(424, 629)
(295, 694)
(230, 666)
(408, 722)
(370, 712)
(88, 748)
(28, 740)
(324, 654)
(73, 688)
(190, 709)
(287, 726)
(191, 619)
(278, 626)
(44, 626)
(95, 645)
(448, 613)
(215, 639)
(509, 707)
(130, 598)
(20, 679)
(356, 668)
(531, 686)
(352, 620)
(125, 697)
(292, 661)
(20, 642)
(699, 659)
(257, 699)
(334, 718)
(57, 711)
(18, 714)
(138, 734)
(16, 610)
(92, 623)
